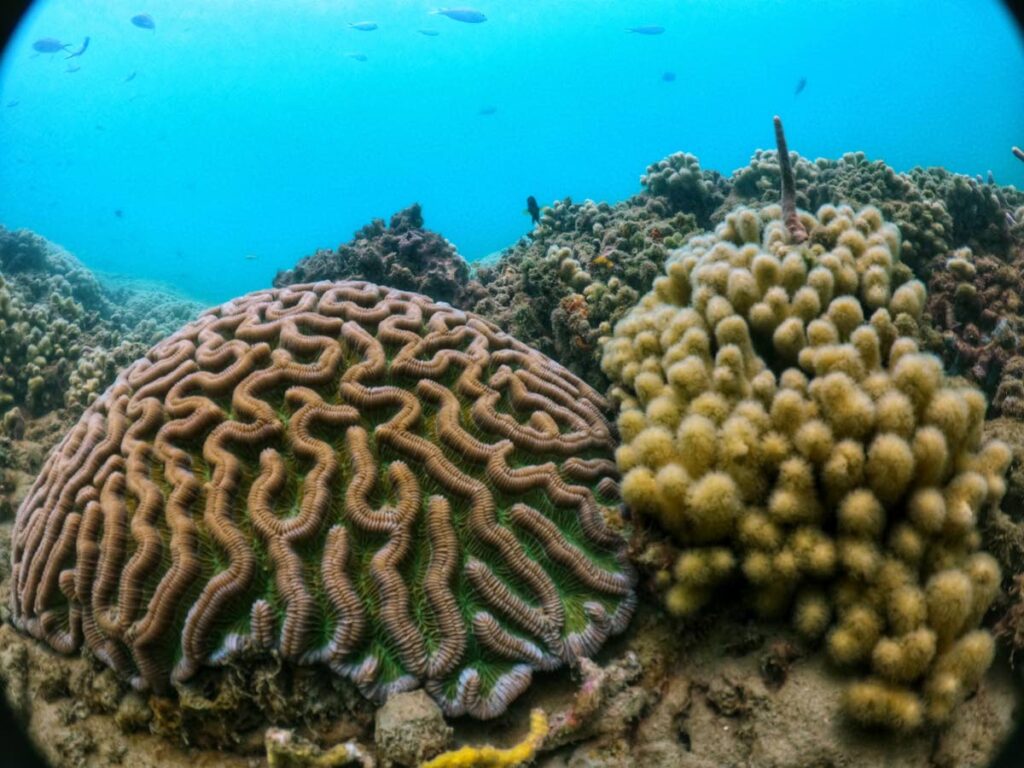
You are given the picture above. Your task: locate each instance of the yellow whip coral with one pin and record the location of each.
(492, 757)
(780, 422)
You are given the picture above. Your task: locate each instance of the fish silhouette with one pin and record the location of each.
(49, 45)
(648, 30)
(429, 32)
(364, 26)
(488, 110)
(143, 21)
(357, 56)
(533, 209)
(80, 51)
(668, 77)
(800, 86)
(468, 15)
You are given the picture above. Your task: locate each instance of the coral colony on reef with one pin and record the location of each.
(430, 502)
(778, 420)
(64, 336)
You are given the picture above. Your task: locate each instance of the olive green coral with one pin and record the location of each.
(781, 424)
(341, 474)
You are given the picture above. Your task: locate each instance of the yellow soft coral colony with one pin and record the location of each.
(492, 757)
(780, 422)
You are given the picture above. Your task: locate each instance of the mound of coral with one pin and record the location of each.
(780, 422)
(65, 335)
(585, 265)
(976, 305)
(334, 474)
(401, 254)
(581, 269)
(936, 211)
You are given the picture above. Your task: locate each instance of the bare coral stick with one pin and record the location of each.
(1018, 153)
(789, 214)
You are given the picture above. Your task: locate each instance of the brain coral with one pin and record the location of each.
(780, 426)
(341, 473)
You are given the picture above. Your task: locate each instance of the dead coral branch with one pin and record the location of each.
(789, 214)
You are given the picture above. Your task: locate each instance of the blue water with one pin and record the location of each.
(247, 138)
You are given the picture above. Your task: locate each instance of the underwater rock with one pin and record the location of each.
(410, 730)
(781, 425)
(402, 255)
(336, 474)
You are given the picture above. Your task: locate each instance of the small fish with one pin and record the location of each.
(467, 15)
(250, 257)
(143, 21)
(648, 30)
(80, 51)
(130, 77)
(357, 56)
(119, 213)
(488, 110)
(668, 77)
(429, 32)
(72, 68)
(364, 26)
(50, 45)
(12, 104)
(533, 209)
(801, 84)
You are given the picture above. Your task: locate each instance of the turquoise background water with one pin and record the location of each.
(248, 138)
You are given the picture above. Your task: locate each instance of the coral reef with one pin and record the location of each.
(63, 335)
(583, 267)
(402, 255)
(335, 474)
(780, 422)
(976, 307)
(935, 210)
(679, 180)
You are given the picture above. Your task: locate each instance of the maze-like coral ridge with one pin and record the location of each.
(341, 473)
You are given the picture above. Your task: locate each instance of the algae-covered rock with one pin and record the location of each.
(410, 729)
